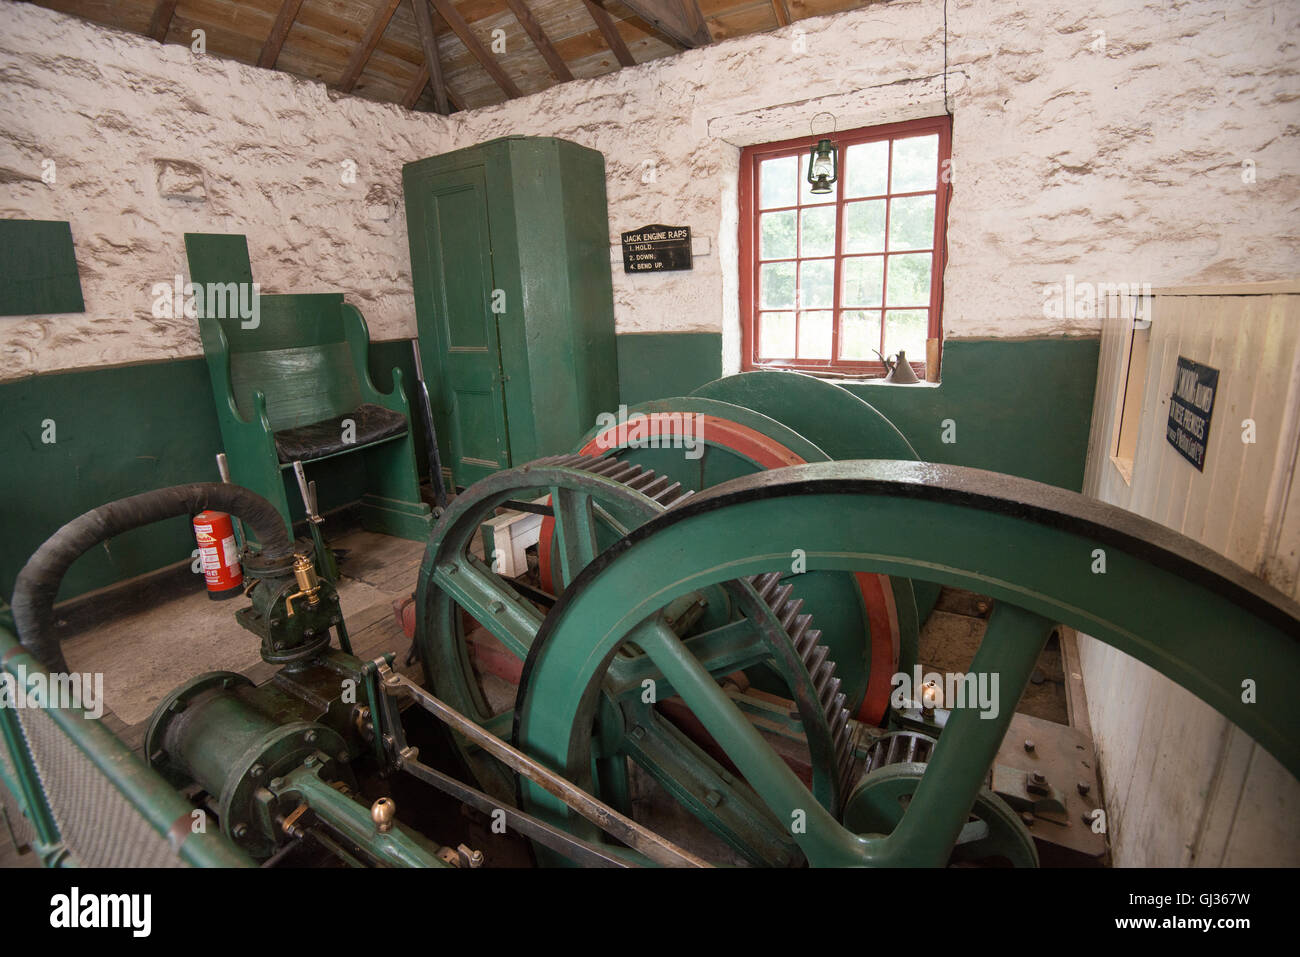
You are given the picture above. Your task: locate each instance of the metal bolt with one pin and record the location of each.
(1029, 745)
(275, 622)
(496, 607)
(310, 737)
(256, 771)
(1027, 818)
(712, 798)
(1037, 777)
(1084, 787)
(638, 732)
(309, 761)
(451, 569)
(277, 783)
(241, 831)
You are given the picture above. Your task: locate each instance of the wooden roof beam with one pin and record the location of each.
(279, 30)
(161, 21)
(413, 92)
(782, 12)
(540, 40)
(680, 20)
(433, 65)
(447, 10)
(361, 55)
(609, 31)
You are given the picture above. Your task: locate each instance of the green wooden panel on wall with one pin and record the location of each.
(38, 268)
(1021, 406)
(665, 364)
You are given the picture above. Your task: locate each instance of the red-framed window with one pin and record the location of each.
(826, 280)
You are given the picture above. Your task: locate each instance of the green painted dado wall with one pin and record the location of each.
(1020, 406)
(120, 431)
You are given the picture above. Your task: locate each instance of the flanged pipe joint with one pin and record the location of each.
(209, 732)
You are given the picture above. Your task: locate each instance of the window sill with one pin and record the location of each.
(1124, 467)
(885, 385)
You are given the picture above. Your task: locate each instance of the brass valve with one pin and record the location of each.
(382, 813)
(308, 584)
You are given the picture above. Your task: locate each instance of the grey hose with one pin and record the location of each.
(38, 583)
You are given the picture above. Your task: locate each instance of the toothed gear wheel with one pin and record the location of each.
(620, 496)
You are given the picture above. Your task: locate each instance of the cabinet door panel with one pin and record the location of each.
(458, 245)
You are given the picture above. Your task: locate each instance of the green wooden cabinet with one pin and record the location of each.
(514, 300)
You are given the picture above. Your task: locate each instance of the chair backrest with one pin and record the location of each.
(295, 352)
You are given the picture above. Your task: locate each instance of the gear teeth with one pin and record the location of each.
(604, 466)
(668, 494)
(765, 584)
(841, 719)
(779, 598)
(831, 690)
(641, 481)
(798, 630)
(660, 484)
(626, 473)
(822, 679)
(789, 612)
(811, 639)
(816, 655)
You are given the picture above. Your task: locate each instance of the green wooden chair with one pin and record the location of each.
(296, 387)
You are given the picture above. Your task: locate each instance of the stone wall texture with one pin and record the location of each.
(1122, 142)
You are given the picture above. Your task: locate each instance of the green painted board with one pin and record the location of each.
(660, 365)
(38, 268)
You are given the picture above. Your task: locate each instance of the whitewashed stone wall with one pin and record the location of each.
(1105, 142)
(150, 142)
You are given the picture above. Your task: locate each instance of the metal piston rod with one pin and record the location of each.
(635, 836)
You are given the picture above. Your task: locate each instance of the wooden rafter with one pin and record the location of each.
(279, 30)
(432, 64)
(361, 55)
(447, 10)
(679, 19)
(540, 40)
(413, 92)
(161, 21)
(610, 32)
(782, 12)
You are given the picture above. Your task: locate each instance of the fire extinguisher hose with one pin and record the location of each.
(37, 584)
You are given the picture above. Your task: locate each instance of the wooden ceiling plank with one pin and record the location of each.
(279, 30)
(361, 55)
(447, 10)
(782, 12)
(161, 20)
(679, 19)
(610, 32)
(432, 65)
(540, 40)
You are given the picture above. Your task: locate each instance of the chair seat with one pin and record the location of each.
(306, 442)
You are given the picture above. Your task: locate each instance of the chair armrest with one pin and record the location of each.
(217, 352)
(357, 334)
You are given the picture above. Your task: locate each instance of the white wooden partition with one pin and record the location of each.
(1183, 786)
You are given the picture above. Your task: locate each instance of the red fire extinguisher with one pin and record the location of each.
(216, 539)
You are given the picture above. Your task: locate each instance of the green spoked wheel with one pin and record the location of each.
(1164, 599)
(730, 626)
(869, 622)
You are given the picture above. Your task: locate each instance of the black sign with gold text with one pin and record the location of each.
(1190, 407)
(657, 248)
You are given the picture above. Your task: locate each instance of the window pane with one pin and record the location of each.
(815, 335)
(859, 335)
(776, 286)
(817, 232)
(909, 280)
(776, 184)
(863, 281)
(907, 331)
(916, 164)
(817, 284)
(806, 196)
(911, 222)
(776, 335)
(864, 227)
(865, 168)
(776, 235)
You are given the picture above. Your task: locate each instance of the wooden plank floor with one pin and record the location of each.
(148, 643)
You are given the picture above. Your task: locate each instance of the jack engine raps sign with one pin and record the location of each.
(1191, 406)
(657, 248)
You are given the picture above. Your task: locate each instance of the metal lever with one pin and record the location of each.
(628, 831)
